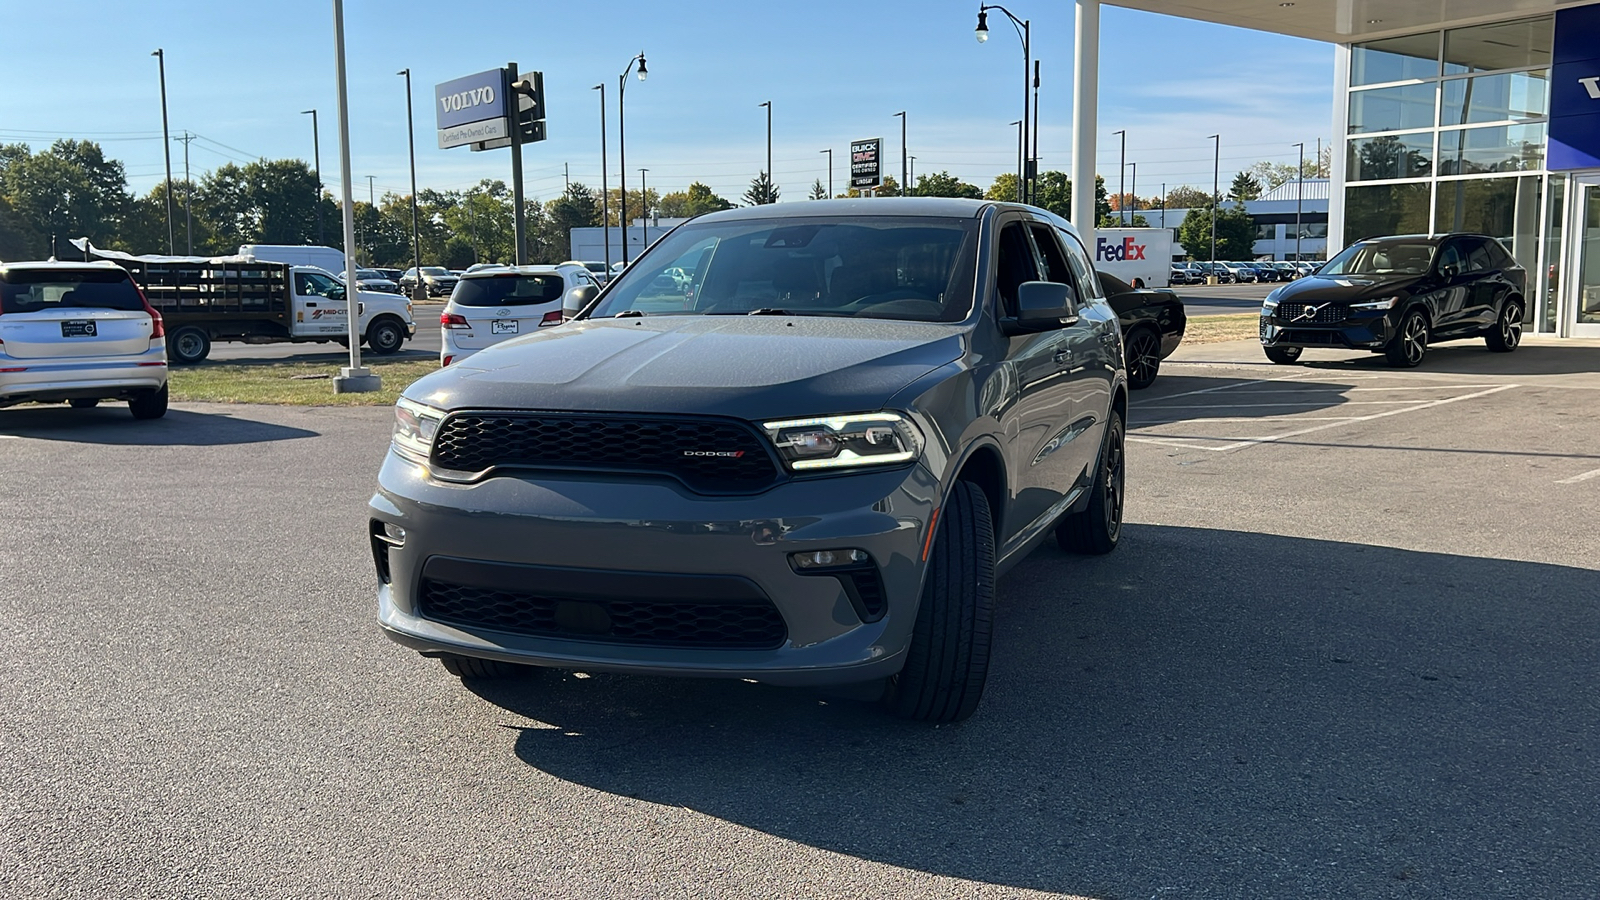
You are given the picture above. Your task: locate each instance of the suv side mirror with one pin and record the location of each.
(577, 300)
(1042, 306)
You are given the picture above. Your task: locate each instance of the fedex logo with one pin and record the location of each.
(1125, 249)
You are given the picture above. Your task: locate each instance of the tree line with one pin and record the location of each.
(73, 189)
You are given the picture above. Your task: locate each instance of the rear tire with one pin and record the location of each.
(947, 661)
(151, 405)
(1507, 331)
(1143, 352)
(188, 345)
(1097, 529)
(1284, 356)
(84, 402)
(385, 337)
(473, 667)
(1410, 342)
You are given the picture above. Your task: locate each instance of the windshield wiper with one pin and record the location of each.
(769, 311)
(630, 314)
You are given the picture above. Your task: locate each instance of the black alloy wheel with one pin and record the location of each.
(1284, 356)
(1410, 342)
(1143, 352)
(1507, 332)
(1097, 529)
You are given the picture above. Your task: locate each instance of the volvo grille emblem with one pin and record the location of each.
(1309, 312)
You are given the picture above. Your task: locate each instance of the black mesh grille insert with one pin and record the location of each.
(707, 455)
(1321, 313)
(753, 625)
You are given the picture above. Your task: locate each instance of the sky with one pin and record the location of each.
(238, 75)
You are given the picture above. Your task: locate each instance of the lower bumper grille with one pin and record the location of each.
(751, 625)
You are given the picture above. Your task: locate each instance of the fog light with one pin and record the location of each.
(394, 533)
(825, 559)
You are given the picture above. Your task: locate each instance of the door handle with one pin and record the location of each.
(1063, 356)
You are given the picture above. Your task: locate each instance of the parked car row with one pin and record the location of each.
(1229, 272)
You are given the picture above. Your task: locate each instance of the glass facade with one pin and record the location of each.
(1446, 131)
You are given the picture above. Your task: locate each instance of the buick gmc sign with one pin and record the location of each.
(1575, 90)
(1144, 254)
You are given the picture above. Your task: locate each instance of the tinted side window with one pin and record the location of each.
(1050, 255)
(1451, 254)
(1016, 265)
(1480, 258)
(1078, 258)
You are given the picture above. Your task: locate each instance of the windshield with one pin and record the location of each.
(507, 290)
(24, 290)
(1382, 258)
(912, 268)
(434, 270)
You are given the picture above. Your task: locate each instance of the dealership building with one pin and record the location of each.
(1450, 115)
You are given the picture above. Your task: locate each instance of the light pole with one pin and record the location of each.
(1134, 197)
(1024, 32)
(316, 171)
(1216, 198)
(1300, 197)
(1163, 204)
(622, 145)
(913, 175)
(905, 173)
(411, 138)
(166, 148)
(768, 105)
(372, 204)
(188, 195)
(353, 379)
(1020, 139)
(1033, 162)
(829, 151)
(644, 201)
(1122, 178)
(605, 193)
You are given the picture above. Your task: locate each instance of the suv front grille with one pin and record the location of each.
(1325, 313)
(707, 455)
(752, 625)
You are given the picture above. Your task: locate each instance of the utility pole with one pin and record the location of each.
(1300, 197)
(768, 105)
(913, 175)
(1163, 204)
(419, 289)
(1122, 179)
(1134, 198)
(166, 148)
(829, 151)
(566, 177)
(316, 169)
(605, 194)
(372, 204)
(905, 172)
(644, 201)
(188, 195)
(1216, 196)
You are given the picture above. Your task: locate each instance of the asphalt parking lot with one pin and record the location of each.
(1346, 649)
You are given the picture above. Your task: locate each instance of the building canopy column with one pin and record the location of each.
(1085, 100)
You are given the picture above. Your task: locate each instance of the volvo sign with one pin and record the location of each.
(1575, 90)
(472, 109)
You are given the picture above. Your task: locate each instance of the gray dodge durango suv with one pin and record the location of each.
(807, 464)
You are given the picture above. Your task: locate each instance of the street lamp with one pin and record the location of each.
(905, 172)
(605, 194)
(622, 144)
(316, 170)
(1216, 197)
(1300, 196)
(1122, 178)
(416, 232)
(768, 105)
(166, 148)
(1024, 32)
(829, 151)
(353, 379)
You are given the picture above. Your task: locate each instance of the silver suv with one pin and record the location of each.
(80, 333)
(807, 466)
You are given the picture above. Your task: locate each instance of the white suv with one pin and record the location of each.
(493, 305)
(82, 333)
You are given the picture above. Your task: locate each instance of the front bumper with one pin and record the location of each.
(598, 536)
(1373, 333)
(55, 380)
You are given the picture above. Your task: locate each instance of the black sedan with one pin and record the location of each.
(1396, 295)
(1152, 326)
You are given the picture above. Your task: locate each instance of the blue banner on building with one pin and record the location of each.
(1575, 90)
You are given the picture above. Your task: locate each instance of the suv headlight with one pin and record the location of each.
(415, 425)
(838, 442)
(1385, 303)
(1270, 305)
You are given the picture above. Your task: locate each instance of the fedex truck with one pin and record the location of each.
(1140, 256)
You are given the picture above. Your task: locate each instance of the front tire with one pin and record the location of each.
(1143, 353)
(151, 405)
(948, 659)
(1507, 331)
(1410, 342)
(1097, 529)
(473, 667)
(1284, 356)
(385, 336)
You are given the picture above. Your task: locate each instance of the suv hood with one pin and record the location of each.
(746, 367)
(1348, 288)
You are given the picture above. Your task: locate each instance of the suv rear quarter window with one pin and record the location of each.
(37, 290)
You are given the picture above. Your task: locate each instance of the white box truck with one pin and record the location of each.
(1140, 256)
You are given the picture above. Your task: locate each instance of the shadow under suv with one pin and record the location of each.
(807, 466)
(1396, 295)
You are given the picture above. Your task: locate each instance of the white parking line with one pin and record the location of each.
(1249, 442)
(1577, 478)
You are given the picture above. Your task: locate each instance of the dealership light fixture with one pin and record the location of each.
(982, 31)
